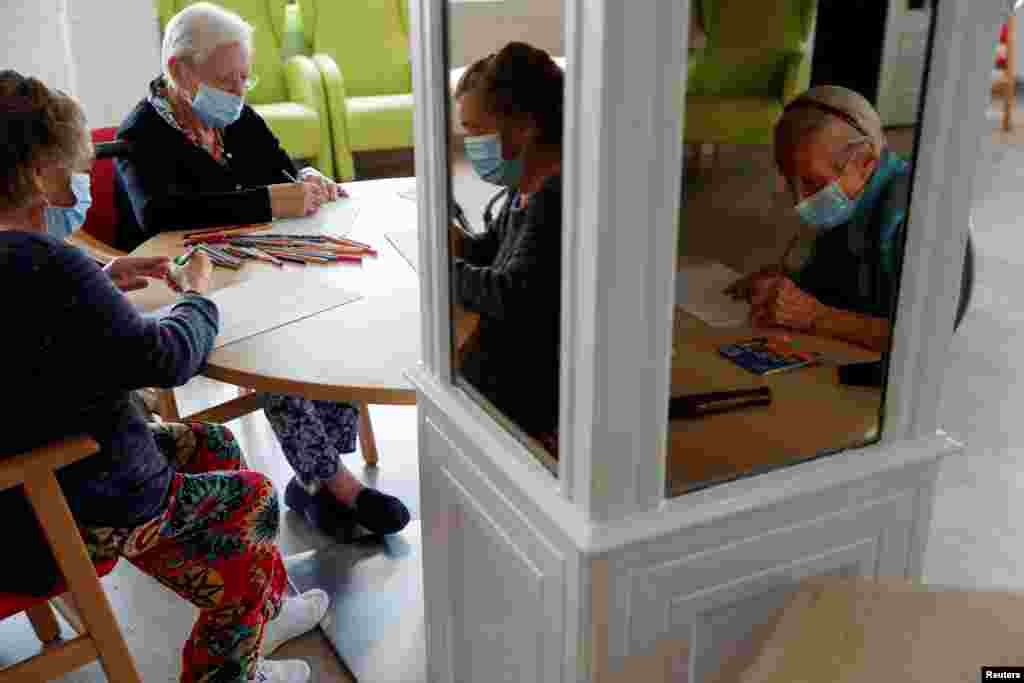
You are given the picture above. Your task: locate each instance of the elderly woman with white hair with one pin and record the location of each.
(853, 191)
(202, 157)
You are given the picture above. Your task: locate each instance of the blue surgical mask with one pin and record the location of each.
(61, 221)
(827, 208)
(484, 152)
(217, 108)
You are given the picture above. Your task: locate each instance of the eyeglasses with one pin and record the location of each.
(849, 150)
(801, 189)
(230, 83)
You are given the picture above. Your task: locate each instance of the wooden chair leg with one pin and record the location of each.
(168, 406)
(1011, 72)
(44, 622)
(367, 444)
(51, 509)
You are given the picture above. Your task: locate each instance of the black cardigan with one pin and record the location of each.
(169, 183)
(511, 276)
(75, 347)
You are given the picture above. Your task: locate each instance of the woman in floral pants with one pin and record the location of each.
(214, 545)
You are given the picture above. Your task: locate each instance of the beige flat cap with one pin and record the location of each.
(846, 104)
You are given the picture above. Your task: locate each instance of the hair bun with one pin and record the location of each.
(36, 123)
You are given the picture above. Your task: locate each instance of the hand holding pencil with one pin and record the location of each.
(745, 287)
(191, 272)
(294, 200)
(330, 190)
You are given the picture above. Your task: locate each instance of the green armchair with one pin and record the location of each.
(755, 60)
(362, 52)
(288, 94)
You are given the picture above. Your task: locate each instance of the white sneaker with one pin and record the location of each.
(299, 614)
(283, 671)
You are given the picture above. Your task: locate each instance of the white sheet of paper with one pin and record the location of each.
(335, 218)
(262, 304)
(699, 291)
(409, 194)
(407, 242)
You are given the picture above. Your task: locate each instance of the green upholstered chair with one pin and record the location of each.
(362, 51)
(755, 60)
(288, 94)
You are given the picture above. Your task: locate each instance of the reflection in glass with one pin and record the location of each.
(505, 275)
(790, 242)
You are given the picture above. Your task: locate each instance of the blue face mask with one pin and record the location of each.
(484, 152)
(827, 208)
(217, 108)
(61, 221)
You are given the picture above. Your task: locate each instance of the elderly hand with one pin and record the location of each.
(778, 302)
(744, 287)
(294, 200)
(329, 189)
(194, 275)
(131, 272)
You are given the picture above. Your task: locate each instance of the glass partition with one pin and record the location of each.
(800, 128)
(505, 156)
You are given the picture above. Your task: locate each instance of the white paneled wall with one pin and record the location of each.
(102, 51)
(36, 41)
(116, 48)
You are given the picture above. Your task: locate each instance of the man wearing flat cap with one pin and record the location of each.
(830, 148)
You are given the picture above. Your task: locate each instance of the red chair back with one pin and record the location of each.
(15, 603)
(101, 221)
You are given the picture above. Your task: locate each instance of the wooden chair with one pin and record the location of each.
(1005, 83)
(102, 638)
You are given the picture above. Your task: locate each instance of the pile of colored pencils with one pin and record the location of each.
(231, 248)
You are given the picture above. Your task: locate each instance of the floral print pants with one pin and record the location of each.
(313, 435)
(214, 545)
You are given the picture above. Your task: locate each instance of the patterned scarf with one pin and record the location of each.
(159, 98)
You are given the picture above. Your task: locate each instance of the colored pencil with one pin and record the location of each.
(288, 257)
(227, 230)
(264, 255)
(230, 248)
(220, 259)
(246, 253)
(349, 258)
(183, 259)
(286, 236)
(347, 242)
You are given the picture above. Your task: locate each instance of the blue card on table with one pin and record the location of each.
(764, 357)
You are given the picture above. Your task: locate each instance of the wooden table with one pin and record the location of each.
(854, 630)
(356, 351)
(810, 411)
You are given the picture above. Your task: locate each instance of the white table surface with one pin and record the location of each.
(356, 351)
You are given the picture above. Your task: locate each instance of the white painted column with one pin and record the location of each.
(623, 166)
